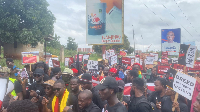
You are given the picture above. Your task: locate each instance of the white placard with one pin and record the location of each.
(86, 57)
(107, 54)
(10, 87)
(92, 65)
(190, 56)
(155, 56)
(175, 60)
(67, 61)
(3, 83)
(50, 63)
(149, 60)
(137, 60)
(113, 60)
(132, 61)
(112, 53)
(184, 85)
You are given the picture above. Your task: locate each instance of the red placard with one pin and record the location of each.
(80, 57)
(71, 61)
(122, 53)
(164, 61)
(162, 69)
(179, 67)
(164, 53)
(126, 60)
(196, 66)
(56, 63)
(30, 60)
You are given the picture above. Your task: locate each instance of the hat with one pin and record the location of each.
(56, 70)
(121, 84)
(75, 70)
(86, 78)
(49, 82)
(5, 69)
(39, 71)
(107, 82)
(67, 71)
(113, 70)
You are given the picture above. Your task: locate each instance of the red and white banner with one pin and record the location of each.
(30, 60)
(126, 60)
(127, 88)
(163, 69)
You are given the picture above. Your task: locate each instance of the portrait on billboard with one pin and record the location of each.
(104, 22)
(170, 39)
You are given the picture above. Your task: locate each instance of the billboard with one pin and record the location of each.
(105, 23)
(171, 39)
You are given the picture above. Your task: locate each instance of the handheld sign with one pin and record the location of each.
(149, 60)
(92, 65)
(113, 60)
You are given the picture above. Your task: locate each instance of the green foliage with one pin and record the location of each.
(55, 43)
(97, 48)
(130, 50)
(71, 45)
(95, 56)
(25, 21)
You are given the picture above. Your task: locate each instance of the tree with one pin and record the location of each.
(130, 50)
(97, 48)
(25, 21)
(71, 45)
(55, 43)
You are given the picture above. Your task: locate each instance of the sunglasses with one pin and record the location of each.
(37, 75)
(56, 89)
(48, 88)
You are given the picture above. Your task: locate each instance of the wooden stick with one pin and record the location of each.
(30, 67)
(175, 100)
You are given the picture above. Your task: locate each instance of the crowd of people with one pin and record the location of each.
(71, 90)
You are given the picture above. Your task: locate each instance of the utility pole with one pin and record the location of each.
(134, 41)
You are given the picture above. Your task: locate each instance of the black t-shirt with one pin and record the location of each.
(38, 88)
(153, 95)
(119, 107)
(135, 106)
(17, 87)
(96, 98)
(166, 105)
(46, 77)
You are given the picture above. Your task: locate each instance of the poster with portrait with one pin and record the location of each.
(104, 22)
(171, 39)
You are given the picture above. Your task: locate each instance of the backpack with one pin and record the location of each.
(151, 104)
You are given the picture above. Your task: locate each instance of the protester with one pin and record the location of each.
(138, 102)
(44, 67)
(153, 76)
(131, 75)
(49, 94)
(120, 94)
(36, 89)
(22, 106)
(105, 71)
(168, 103)
(159, 94)
(56, 73)
(67, 74)
(108, 89)
(85, 103)
(137, 67)
(13, 68)
(86, 83)
(196, 105)
(74, 86)
(61, 98)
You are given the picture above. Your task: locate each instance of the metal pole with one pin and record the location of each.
(134, 41)
(45, 45)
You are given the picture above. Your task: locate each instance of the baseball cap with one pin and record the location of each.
(67, 71)
(121, 84)
(86, 78)
(39, 71)
(107, 82)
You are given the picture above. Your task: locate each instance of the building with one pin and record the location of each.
(85, 50)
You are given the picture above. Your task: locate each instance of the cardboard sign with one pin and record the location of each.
(92, 65)
(149, 60)
(107, 55)
(162, 69)
(56, 63)
(112, 52)
(190, 56)
(126, 60)
(113, 60)
(67, 61)
(3, 86)
(184, 85)
(29, 60)
(155, 56)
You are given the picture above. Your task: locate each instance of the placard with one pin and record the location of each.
(126, 60)
(113, 60)
(132, 61)
(92, 65)
(137, 60)
(149, 60)
(29, 60)
(155, 56)
(67, 61)
(184, 85)
(190, 56)
(163, 69)
(3, 86)
(86, 57)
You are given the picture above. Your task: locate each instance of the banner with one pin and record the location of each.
(196, 67)
(80, 57)
(30, 57)
(187, 55)
(113, 60)
(155, 56)
(171, 39)
(29, 60)
(104, 22)
(126, 60)
(92, 65)
(179, 67)
(122, 53)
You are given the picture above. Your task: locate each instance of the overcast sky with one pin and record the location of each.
(71, 20)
